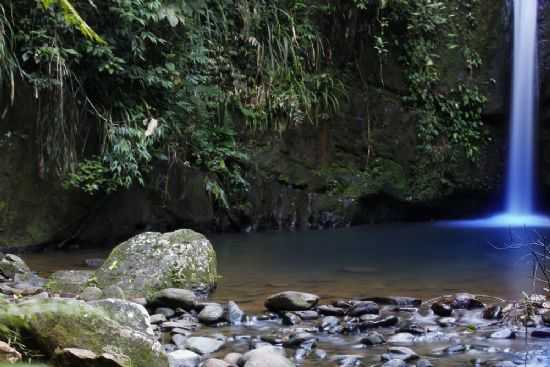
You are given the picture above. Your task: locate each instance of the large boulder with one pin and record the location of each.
(153, 261)
(55, 324)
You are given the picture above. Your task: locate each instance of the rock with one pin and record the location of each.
(166, 311)
(395, 363)
(348, 360)
(174, 298)
(546, 318)
(466, 301)
(265, 357)
(541, 333)
(151, 261)
(454, 349)
(114, 291)
(364, 308)
(126, 313)
(379, 322)
(493, 313)
(233, 358)
(70, 357)
(211, 313)
(373, 338)
(183, 358)
(402, 353)
(307, 315)
(212, 362)
(291, 301)
(234, 314)
(330, 310)
(408, 326)
(179, 340)
(446, 321)
(441, 309)
(503, 334)
(69, 281)
(94, 263)
(396, 301)
(10, 265)
(91, 294)
(8, 354)
(297, 339)
(158, 318)
(401, 338)
(57, 323)
(290, 318)
(203, 345)
(329, 322)
(424, 363)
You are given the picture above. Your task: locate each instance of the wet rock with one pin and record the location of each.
(454, 349)
(329, 322)
(174, 298)
(373, 338)
(401, 338)
(211, 313)
(69, 281)
(158, 318)
(91, 294)
(297, 339)
(503, 334)
(446, 321)
(265, 357)
(466, 301)
(424, 363)
(291, 301)
(319, 354)
(401, 353)
(546, 318)
(541, 333)
(8, 354)
(330, 310)
(212, 362)
(183, 358)
(364, 308)
(307, 315)
(70, 357)
(234, 314)
(10, 265)
(166, 311)
(441, 309)
(396, 301)
(411, 327)
(179, 340)
(203, 345)
(381, 322)
(151, 261)
(114, 291)
(290, 319)
(233, 358)
(348, 360)
(56, 323)
(493, 313)
(126, 313)
(395, 363)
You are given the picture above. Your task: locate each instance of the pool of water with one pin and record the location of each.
(421, 260)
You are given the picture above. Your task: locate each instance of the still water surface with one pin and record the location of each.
(421, 260)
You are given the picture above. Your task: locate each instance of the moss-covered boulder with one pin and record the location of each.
(153, 261)
(50, 325)
(69, 281)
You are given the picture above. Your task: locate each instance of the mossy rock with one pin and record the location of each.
(153, 261)
(48, 325)
(69, 281)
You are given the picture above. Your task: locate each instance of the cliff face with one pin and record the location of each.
(360, 167)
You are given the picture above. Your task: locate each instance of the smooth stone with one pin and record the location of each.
(410, 327)
(114, 291)
(383, 322)
(265, 357)
(291, 301)
(126, 313)
(213, 362)
(211, 313)
(396, 301)
(329, 322)
(183, 358)
(364, 308)
(457, 348)
(503, 334)
(402, 353)
(158, 318)
(307, 315)
(401, 338)
(290, 319)
(395, 363)
(234, 313)
(179, 340)
(330, 310)
(203, 345)
(173, 298)
(91, 294)
(373, 338)
(298, 339)
(70, 357)
(441, 309)
(166, 311)
(10, 265)
(233, 358)
(424, 363)
(541, 333)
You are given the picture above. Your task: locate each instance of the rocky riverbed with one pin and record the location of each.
(71, 320)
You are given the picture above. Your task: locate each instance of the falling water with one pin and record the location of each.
(520, 178)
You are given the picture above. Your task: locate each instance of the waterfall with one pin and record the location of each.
(520, 190)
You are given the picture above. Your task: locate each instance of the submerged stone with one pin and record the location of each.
(153, 261)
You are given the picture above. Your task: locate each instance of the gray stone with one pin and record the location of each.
(183, 358)
(291, 301)
(233, 358)
(91, 294)
(373, 338)
(503, 334)
(266, 357)
(330, 310)
(364, 308)
(541, 333)
(395, 363)
(402, 353)
(234, 314)
(401, 338)
(114, 291)
(179, 340)
(211, 313)
(396, 301)
(307, 315)
(70, 357)
(329, 322)
(203, 345)
(424, 363)
(8, 354)
(174, 298)
(387, 321)
(10, 265)
(151, 261)
(68, 281)
(213, 362)
(166, 311)
(158, 318)
(126, 313)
